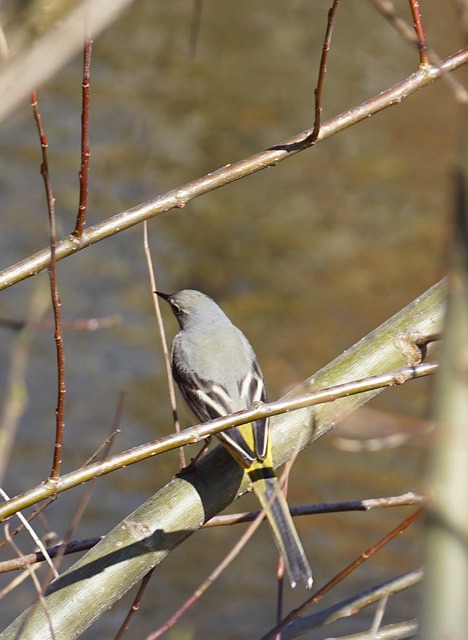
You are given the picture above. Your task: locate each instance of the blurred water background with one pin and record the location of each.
(306, 258)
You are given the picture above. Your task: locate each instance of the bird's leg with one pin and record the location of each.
(193, 462)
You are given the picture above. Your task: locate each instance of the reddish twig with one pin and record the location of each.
(85, 152)
(225, 562)
(56, 303)
(322, 72)
(135, 605)
(280, 594)
(315, 599)
(408, 32)
(281, 564)
(196, 595)
(180, 196)
(422, 42)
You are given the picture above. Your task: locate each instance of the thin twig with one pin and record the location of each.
(421, 36)
(135, 605)
(232, 555)
(406, 499)
(322, 71)
(399, 631)
(378, 617)
(280, 571)
(102, 451)
(56, 303)
(76, 546)
(53, 49)
(363, 557)
(162, 335)
(178, 197)
(37, 512)
(354, 603)
(33, 535)
(36, 583)
(387, 9)
(65, 546)
(85, 152)
(195, 434)
(16, 581)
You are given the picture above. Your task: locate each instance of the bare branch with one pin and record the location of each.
(178, 198)
(56, 302)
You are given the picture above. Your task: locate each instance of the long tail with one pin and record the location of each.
(268, 491)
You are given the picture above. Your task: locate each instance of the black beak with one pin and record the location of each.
(164, 296)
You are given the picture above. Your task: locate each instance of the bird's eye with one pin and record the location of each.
(178, 310)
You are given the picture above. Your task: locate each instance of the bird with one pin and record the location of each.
(217, 372)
